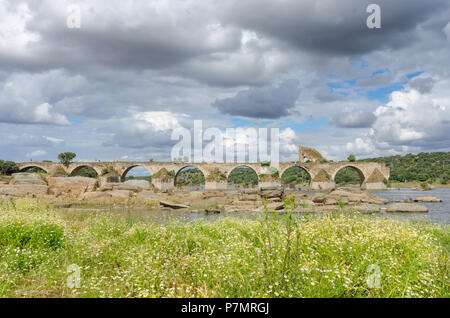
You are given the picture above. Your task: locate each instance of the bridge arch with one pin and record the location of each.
(243, 166)
(30, 166)
(129, 168)
(77, 169)
(301, 168)
(353, 166)
(189, 167)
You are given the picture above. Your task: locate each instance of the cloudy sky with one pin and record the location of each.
(115, 88)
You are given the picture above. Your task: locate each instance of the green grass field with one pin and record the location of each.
(279, 256)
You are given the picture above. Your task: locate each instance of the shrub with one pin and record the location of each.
(8, 167)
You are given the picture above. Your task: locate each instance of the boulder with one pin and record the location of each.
(407, 207)
(271, 207)
(27, 178)
(148, 196)
(173, 205)
(318, 198)
(330, 201)
(365, 208)
(355, 196)
(249, 197)
(71, 186)
(268, 194)
(97, 196)
(305, 203)
(120, 194)
(209, 195)
(24, 190)
(427, 199)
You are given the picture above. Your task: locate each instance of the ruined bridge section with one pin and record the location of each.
(322, 175)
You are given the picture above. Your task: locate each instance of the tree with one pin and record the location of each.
(66, 158)
(8, 167)
(351, 158)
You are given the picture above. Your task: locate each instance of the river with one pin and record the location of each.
(438, 212)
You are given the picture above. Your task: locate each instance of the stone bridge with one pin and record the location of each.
(322, 175)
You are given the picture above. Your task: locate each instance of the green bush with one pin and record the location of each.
(8, 167)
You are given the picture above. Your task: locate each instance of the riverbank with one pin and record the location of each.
(281, 256)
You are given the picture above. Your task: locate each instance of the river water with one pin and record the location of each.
(438, 212)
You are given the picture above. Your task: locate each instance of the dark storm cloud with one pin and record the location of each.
(179, 56)
(353, 119)
(121, 36)
(265, 102)
(335, 27)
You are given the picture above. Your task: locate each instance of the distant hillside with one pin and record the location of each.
(434, 166)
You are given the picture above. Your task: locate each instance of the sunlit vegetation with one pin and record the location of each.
(295, 176)
(190, 176)
(8, 167)
(348, 175)
(34, 170)
(243, 176)
(433, 167)
(273, 256)
(86, 172)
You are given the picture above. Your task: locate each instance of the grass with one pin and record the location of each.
(276, 256)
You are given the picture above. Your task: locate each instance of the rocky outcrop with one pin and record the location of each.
(272, 193)
(71, 186)
(24, 190)
(173, 205)
(130, 185)
(354, 196)
(407, 207)
(365, 208)
(27, 178)
(305, 203)
(97, 196)
(120, 195)
(25, 185)
(146, 196)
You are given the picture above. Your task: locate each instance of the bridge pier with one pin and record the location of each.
(322, 185)
(163, 185)
(373, 186)
(216, 186)
(269, 184)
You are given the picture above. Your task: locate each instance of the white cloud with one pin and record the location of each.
(37, 153)
(360, 147)
(412, 117)
(54, 140)
(13, 33)
(158, 121)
